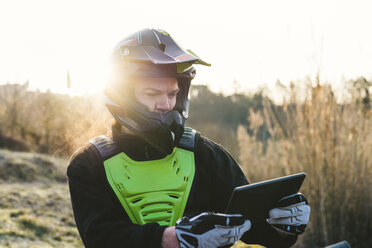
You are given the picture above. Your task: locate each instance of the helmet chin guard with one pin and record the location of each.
(150, 53)
(162, 131)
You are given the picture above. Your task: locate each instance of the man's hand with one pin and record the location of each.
(209, 230)
(291, 216)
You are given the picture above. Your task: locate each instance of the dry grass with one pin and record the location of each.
(35, 208)
(30, 167)
(36, 215)
(332, 143)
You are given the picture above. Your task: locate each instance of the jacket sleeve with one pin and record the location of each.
(226, 176)
(99, 216)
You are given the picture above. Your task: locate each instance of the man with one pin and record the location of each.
(155, 183)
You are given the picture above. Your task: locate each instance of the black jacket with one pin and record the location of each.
(103, 222)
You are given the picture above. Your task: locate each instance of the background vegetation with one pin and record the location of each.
(332, 143)
(35, 209)
(312, 130)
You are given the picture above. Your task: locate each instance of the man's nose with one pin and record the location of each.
(163, 105)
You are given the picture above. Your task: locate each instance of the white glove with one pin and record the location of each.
(291, 216)
(209, 230)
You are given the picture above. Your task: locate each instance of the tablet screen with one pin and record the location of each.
(254, 201)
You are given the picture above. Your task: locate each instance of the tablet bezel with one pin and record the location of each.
(255, 200)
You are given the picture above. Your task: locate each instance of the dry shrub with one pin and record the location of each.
(219, 134)
(87, 117)
(332, 143)
(49, 123)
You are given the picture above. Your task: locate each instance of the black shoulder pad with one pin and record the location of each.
(105, 146)
(187, 140)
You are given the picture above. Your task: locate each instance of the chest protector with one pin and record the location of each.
(154, 190)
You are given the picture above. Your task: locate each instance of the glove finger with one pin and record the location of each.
(245, 227)
(224, 219)
(291, 211)
(235, 220)
(236, 230)
(291, 230)
(208, 221)
(292, 221)
(278, 213)
(232, 234)
(302, 216)
(292, 199)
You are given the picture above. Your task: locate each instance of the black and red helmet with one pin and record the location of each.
(150, 53)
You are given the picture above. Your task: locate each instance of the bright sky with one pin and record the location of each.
(253, 42)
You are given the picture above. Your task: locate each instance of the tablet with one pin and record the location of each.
(254, 201)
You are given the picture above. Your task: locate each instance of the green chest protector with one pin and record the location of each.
(155, 190)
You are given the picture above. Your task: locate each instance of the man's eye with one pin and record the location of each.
(150, 94)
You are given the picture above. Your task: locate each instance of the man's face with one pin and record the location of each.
(158, 95)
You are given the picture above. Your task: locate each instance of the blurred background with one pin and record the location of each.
(288, 91)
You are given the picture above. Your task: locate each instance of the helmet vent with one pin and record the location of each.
(162, 47)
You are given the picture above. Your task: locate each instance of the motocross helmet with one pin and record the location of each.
(150, 53)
